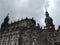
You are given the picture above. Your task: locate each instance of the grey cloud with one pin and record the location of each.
(34, 8)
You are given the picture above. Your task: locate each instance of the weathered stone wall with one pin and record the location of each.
(11, 38)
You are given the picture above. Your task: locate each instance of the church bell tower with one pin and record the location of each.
(49, 22)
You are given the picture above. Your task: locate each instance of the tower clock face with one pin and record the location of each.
(24, 24)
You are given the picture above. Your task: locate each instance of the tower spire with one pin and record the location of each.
(46, 13)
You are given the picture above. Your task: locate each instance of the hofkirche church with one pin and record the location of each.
(25, 32)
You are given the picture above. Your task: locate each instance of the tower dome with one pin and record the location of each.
(49, 21)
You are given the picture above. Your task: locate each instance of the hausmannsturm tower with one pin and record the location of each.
(25, 32)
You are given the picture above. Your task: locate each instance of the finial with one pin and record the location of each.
(6, 19)
(38, 25)
(26, 18)
(32, 18)
(7, 15)
(46, 13)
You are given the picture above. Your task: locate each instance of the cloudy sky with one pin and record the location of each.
(18, 9)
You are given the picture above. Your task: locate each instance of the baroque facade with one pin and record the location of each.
(25, 32)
